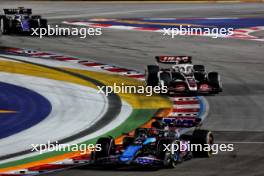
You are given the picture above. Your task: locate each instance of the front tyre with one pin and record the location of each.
(165, 78)
(43, 23)
(3, 26)
(205, 139)
(152, 75)
(170, 158)
(215, 81)
(107, 147)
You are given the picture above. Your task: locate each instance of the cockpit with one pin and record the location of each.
(185, 69)
(18, 17)
(21, 17)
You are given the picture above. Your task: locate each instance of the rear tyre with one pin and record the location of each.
(152, 75)
(44, 23)
(4, 25)
(107, 147)
(34, 24)
(215, 81)
(199, 73)
(170, 158)
(205, 138)
(165, 78)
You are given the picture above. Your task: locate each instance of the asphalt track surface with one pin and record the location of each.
(235, 116)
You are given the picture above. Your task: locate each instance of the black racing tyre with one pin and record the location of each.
(215, 81)
(198, 68)
(34, 24)
(199, 76)
(16, 26)
(199, 73)
(186, 137)
(127, 141)
(213, 78)
(170, 158)
(205, 139)
(166, 78)
(4, 29)
(44, 23)
(152, 75)
(107, 147)
(161, 147)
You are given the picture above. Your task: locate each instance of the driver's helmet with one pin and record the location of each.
(176, 69)
(186, 70)
(182, 69)
(140, 134)
(189, 70)
(141, 138)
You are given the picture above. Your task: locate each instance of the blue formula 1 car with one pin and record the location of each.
(20, 20)
(151, 147)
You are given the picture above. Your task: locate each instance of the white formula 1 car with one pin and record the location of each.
(183, 76)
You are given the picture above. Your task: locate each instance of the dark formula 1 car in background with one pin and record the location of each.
(151, 147)
(20, 20)
(183, 76)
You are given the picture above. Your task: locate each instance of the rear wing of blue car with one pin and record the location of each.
(174, 59)
(17, 11)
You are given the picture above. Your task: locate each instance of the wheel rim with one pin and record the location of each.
(174, 161)
(174, 158)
